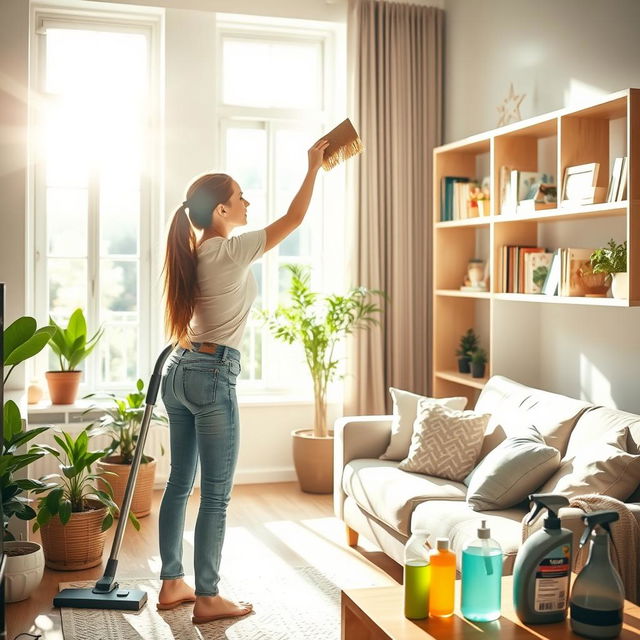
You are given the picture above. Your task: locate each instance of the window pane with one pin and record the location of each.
(272, 74)
(246, 163)
(67, 287)
(251, 351)
(119, 220)
(118, 286)
(118, 353)
(67, 222)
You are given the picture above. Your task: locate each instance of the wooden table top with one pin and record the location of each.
(384, 606)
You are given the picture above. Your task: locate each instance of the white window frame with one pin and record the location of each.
(150, 24)
(326, 273)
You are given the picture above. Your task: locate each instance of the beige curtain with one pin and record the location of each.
(395, 62)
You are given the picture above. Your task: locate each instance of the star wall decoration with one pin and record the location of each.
(509, 110)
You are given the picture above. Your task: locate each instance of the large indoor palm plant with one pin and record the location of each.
(319, 323)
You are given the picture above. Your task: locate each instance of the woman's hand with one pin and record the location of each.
(316, 154)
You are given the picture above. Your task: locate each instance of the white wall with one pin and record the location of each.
(557, 52)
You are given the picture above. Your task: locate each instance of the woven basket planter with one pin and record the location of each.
(76, 545)
(143, 492)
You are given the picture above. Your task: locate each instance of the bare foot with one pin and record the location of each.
(175, 592)
(208, 608)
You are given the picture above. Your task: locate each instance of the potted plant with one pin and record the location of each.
(72, 347)
(319, 324)
(122, 422)
(468, 344)
(612, 259)
(74, 515)
(25, 562)
(478, 363)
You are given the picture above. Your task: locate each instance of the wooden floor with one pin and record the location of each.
(278, 521)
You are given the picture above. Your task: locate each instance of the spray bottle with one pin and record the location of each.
(597, 597)
(542, 567)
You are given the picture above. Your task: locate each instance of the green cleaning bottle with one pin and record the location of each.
(417, 575)
(542, 567)
(597, 597)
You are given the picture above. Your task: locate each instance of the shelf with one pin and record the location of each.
(603, 209)
(598, 302)
(462, 378)
(480, 221)
(456, 293)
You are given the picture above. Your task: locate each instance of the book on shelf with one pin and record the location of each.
(536, 268)
(570, 279)
(514, 276)
(621, 193)
(522, 185)
(550, 285)
(447, 191)
(614, 181)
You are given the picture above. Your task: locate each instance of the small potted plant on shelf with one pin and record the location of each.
(612, 259)
(25, 561)
(468, 344)
(319, 324)
(74, 516)
(478, 363)
(122, 422)
(72, 347)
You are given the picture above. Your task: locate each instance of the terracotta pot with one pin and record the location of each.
(143, 492)
(24, 569)
(76, 545)
(63, 386)
(313, 461)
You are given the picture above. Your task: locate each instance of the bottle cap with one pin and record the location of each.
(442, 544)
(483, 531)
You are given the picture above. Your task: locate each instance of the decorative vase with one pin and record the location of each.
(76, 545)
(143, 491)
(595, 285)
(63, 386)
(24, 569)
(464, 365)
(35, 392)
(313, 461)
(477, 369)
(620, 285)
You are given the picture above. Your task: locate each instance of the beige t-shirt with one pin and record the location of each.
(227, 287)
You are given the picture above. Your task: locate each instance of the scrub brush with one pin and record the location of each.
(344, 143)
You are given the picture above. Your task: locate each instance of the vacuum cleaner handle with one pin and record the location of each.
(106, 583)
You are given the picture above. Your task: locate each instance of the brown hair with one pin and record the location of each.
(181, 258)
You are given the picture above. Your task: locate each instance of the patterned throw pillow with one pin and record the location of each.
(445, 442)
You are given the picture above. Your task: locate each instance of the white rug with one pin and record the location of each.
(293, 604)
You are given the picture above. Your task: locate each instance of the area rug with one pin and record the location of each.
(296, 603)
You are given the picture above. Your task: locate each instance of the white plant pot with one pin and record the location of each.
(23, 572)
(620, 285)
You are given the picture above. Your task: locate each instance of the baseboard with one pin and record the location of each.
(263, 476)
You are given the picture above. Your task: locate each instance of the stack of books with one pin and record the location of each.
(564, 272)
(618, 184)
(456, 202)
(524, 269)
(525, 191)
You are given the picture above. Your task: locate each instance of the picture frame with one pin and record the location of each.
(579, 184)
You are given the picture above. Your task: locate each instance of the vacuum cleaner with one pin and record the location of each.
(107, 593)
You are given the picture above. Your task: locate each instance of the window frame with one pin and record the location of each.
(149, 24)
(228, 116)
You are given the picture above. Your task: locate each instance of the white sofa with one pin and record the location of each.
(384, 504)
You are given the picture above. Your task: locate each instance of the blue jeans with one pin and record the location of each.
(199, 393)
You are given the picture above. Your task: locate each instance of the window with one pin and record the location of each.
(92, 182)
(278, 88)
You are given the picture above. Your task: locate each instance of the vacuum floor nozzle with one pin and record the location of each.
(128, 599)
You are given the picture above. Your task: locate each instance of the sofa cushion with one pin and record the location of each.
(513, 470)
(459, 522)
(513, 406)
(445, 442)
(391, 495)
(405, 411)
(604, 466)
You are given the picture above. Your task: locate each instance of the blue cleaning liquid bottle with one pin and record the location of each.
(481, 577)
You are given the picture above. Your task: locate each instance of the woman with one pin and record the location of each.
(209, 289)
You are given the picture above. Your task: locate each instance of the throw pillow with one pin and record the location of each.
(604, 467)
(445, 442)
(405, 411)
(513, 470)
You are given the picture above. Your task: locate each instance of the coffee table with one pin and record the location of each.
(377, 614)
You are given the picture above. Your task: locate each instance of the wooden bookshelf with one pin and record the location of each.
(597, 132)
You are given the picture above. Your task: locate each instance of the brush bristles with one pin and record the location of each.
(342, 153)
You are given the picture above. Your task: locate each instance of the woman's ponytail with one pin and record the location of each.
(180, 276)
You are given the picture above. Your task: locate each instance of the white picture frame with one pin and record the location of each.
(579, 184)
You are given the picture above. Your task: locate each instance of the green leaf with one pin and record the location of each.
(16, 334)
(43, 515)
(12, 420)
(134, 521)
(27, 513)
(52, 500)
(107, 522)
(77, 326)
(64, 511)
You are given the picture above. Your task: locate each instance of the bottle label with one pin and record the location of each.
(596, 617)
(552, 581)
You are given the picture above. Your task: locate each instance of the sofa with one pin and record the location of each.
(378, 500)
